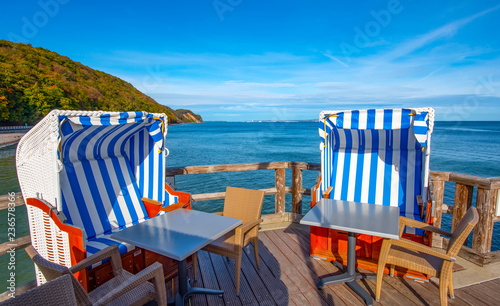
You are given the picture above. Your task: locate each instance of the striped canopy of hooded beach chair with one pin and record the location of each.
(377, 156)
(93, 169)
(109, 164)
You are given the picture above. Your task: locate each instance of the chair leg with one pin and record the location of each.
(256, 251)
(195, 265)
(380, 274)
(384, 251)
(391, 272)
(443, 290)
(450, 287)
(237, 272)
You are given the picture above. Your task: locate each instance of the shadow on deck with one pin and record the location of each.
(288, 276)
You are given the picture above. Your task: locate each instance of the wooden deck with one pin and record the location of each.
(288, 276)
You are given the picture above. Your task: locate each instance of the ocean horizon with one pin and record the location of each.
(469, 147)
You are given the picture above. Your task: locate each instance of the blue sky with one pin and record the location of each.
(280, 60)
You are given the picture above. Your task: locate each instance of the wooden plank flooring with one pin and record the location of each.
(288, 276)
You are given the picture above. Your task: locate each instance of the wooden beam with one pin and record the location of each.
(462, 202)
(226, 168)
(222, 195)
(470, 180)
(279, 182)
(296, 189)
(274, 218)
(440, 176)
(495, 182)
(305, 166)
(18, 244)
(438, 194)
(295, 218)
(483, 232)
(6, 199)
(241, 167)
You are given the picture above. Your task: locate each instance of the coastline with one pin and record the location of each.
(7, 139)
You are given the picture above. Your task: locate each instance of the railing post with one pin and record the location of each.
(462, 202)
(280, 190)
(438, 194)
(296, 189)
(482, 236)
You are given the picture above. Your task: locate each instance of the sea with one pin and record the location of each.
(464, 147)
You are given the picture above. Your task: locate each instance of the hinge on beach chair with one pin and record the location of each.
(420, 203)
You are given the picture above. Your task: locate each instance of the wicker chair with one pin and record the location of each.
(57, 292)
(123, 289)
(421, 258)
(245, 205)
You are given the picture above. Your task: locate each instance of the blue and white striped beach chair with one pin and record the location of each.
(377, 156)
(97, 173)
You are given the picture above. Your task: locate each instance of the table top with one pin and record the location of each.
(179, 233)
(361, 218)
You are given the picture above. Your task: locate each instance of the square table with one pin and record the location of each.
(179, 234)
(353, 217)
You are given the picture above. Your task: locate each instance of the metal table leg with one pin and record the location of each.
(349, 276)
(185, 290)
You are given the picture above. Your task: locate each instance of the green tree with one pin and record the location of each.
(33, 81)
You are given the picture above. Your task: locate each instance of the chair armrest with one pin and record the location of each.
(152, 207)
(152, 202)
(175, 206)
(184, 200)
(315, 190)
(247, 226)
(110, 252)
(241, 231)
(414, 246)
(154, 272)
(403, 221)
(327, 192)
(184, 197)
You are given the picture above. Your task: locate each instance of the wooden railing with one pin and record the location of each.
(480, 252)
(18, 127)
(279, 189)
(486, 201)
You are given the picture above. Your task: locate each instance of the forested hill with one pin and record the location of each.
(33, 81)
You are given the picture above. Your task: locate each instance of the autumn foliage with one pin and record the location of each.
(33, 81)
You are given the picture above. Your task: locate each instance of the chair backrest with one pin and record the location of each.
(462, 231)
(376, 156)
(57, 292)
(243, 204)
(51, 271)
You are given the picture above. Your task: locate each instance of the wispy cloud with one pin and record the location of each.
(430, 70)
(446, 31)
(256, 84)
